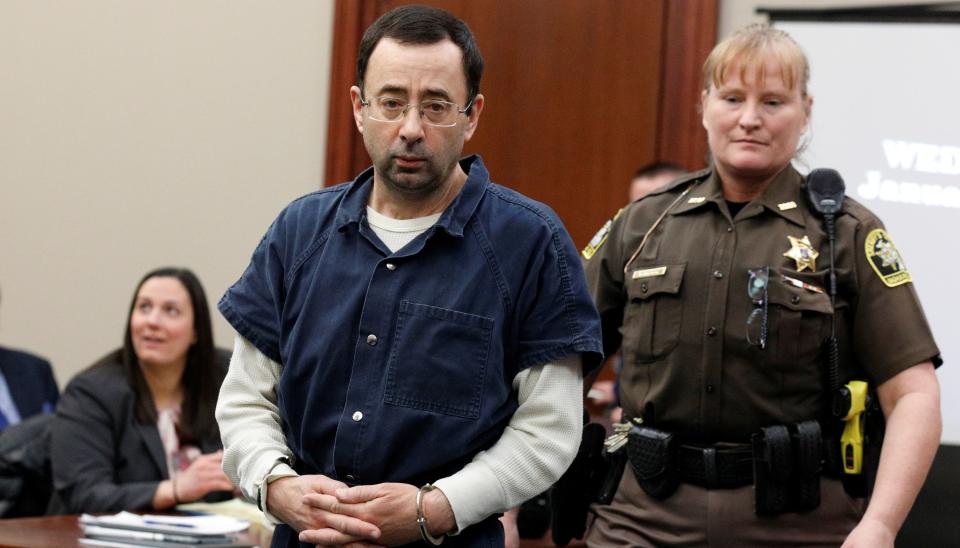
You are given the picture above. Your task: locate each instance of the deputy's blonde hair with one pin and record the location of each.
(748, 48)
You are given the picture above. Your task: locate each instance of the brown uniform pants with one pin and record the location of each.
(694, 516)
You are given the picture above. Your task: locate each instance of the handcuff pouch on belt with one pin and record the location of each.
(786, 468)
(808, 441)
(652, 455)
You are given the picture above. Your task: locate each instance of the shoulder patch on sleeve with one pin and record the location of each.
(599, 238)
(886, 261)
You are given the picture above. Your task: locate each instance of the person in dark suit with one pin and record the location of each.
(27, 387)
(30, 385)
(136, 431)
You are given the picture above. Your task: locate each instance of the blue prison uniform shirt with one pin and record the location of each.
(397, 367)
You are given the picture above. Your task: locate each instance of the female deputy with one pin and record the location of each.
(136, 431)
(711, 363)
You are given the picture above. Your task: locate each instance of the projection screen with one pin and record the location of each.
(886, 115)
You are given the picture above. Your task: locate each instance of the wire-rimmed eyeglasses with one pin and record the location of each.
(758, 279)
(433, 112)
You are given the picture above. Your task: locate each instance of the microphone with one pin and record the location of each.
(825, 189)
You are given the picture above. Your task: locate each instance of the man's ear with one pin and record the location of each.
(357, 107)
(474, 117)
(703, 108)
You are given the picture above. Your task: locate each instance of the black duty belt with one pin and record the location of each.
(783, 462)
(660, 462)
(715, 467)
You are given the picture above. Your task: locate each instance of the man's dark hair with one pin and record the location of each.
(657, 168)
(420, 25)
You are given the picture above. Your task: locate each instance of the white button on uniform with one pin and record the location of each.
(357, 416)
(391, 266)
(372, 339)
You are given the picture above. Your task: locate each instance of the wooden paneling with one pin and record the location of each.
(345, 153)
(691, 32)
(574, 89)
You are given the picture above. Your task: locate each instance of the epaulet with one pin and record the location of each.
(684, 181)
(857, 210)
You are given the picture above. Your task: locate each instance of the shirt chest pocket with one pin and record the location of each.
(799, 318)
(652, 319)
(439, 360)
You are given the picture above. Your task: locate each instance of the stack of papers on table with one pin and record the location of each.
(127, 529)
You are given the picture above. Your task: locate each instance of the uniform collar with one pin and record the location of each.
(706, 191)
(353, 208)
(782, 196)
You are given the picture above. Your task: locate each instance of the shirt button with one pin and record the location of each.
(717, 274)
(391, 266)
(350, 477)
(729, 229)
(643, 288)
(357, 416)
(372, 339)
(709, 389)
(712, 331)
(795, 299)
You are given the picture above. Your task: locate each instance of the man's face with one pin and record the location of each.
(409, 156)
(641, 186)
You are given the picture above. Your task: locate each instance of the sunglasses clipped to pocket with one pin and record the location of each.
(757, 283)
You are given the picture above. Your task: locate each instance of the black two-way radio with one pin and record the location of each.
(825, 189)
(854, 402)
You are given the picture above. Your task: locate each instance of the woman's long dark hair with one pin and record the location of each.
(201, 376)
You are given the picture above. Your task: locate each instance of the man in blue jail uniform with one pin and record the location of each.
(410, 345)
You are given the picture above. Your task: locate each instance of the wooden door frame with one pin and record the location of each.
(690, 32)
(346, 156)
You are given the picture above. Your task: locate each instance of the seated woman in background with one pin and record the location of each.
(136, 430)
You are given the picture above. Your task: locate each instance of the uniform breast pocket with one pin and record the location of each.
(439, 359)
(651, 322)
(799, 319)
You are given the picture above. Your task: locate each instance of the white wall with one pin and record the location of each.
(136, 134)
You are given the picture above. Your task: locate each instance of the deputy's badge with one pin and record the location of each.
(885, 259)
(601, 236)
(801, 250)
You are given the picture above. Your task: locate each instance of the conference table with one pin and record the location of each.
(64, 532)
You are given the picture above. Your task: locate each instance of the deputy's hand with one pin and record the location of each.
(286, 500)
(390, 506)
(511, 534)
(203, 476)
(870, 533)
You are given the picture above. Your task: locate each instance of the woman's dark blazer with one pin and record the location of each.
(103, 459)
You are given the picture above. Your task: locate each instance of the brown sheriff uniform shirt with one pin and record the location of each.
(681, 307)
